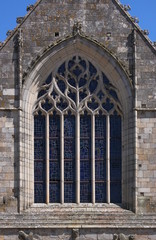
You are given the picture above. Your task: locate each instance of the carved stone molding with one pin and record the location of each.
(75, 234)
(23, 236)
(121, 236)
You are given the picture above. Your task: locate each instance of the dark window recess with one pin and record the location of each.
(56, 34)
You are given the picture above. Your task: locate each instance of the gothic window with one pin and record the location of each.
(77, 137)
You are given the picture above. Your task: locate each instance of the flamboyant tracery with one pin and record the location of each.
(77, 136)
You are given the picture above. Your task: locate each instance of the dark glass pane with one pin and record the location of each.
(82, 82)
(82, 95)
(92, 69)
(69, 196)
(115, 192)
(49, 79)
(85, 170)
(69, 126)
(39, 149)
(107, 105)
(77, 71)
(54, 171)
(114, 94)
(85, 149)
(47, 105)
(85, 158)
(39, 171)
(100, 149)
(82, 63)
(54, 126)
(105, 80)
(100, 192)
(54, 148)
(93, 104)
(71, 81)
(71, 63)
(39, 159)
(39, 126)
(69, 158)
(61, 85)
(85, 126)
(100, 158)
(100, 126)
(69, 171)
(54, 192)
(93, 85)
(100, 170)
(39, 193)
(115, 158)
(85, 192)
(41, 93)
(62, 105)
(72, 95)
(69, 149)
(100, 95)
(62, 70)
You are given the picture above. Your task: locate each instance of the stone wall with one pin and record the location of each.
(108, 38)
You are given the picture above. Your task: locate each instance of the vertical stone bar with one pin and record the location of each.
(47, 159)
(62, 159)
(78, 158)
(93, 157)
(108, 159)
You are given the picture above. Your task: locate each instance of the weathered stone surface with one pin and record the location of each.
(103, 31)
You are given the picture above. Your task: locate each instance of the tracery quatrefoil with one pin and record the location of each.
(77, 86)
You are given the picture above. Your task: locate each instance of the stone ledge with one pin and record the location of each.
(79, 220)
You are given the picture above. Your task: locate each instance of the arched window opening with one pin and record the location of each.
(77, 137)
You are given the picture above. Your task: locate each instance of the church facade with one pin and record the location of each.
(77, 124)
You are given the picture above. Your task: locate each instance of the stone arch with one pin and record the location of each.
(48, 62)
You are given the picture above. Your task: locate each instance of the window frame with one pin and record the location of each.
(77, 151)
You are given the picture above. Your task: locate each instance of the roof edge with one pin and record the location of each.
(135, 25)
(14, 31)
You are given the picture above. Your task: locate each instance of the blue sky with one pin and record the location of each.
(145, 10)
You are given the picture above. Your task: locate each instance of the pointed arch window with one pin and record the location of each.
(77, 136)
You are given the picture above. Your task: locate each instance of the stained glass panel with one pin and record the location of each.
(69, 171)
(69, 189)
(85, 126)
(39, 149)
(100, 158)
(39, 192)
(115, 158)
(85, 158)
(100, 170)
(78, 80)
(100, 192)
(39, 126)
(39, 171)
(54, 126)
(54, 189)
(85, 170)
(54, 170)
(85, 192)
(54, 148)
(39, 159)
(54, 154)
(69, 158)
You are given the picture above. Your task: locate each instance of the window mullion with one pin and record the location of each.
(47, 159)
(62, 159)
(108, 158)
(78, 158)
(93, 157)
